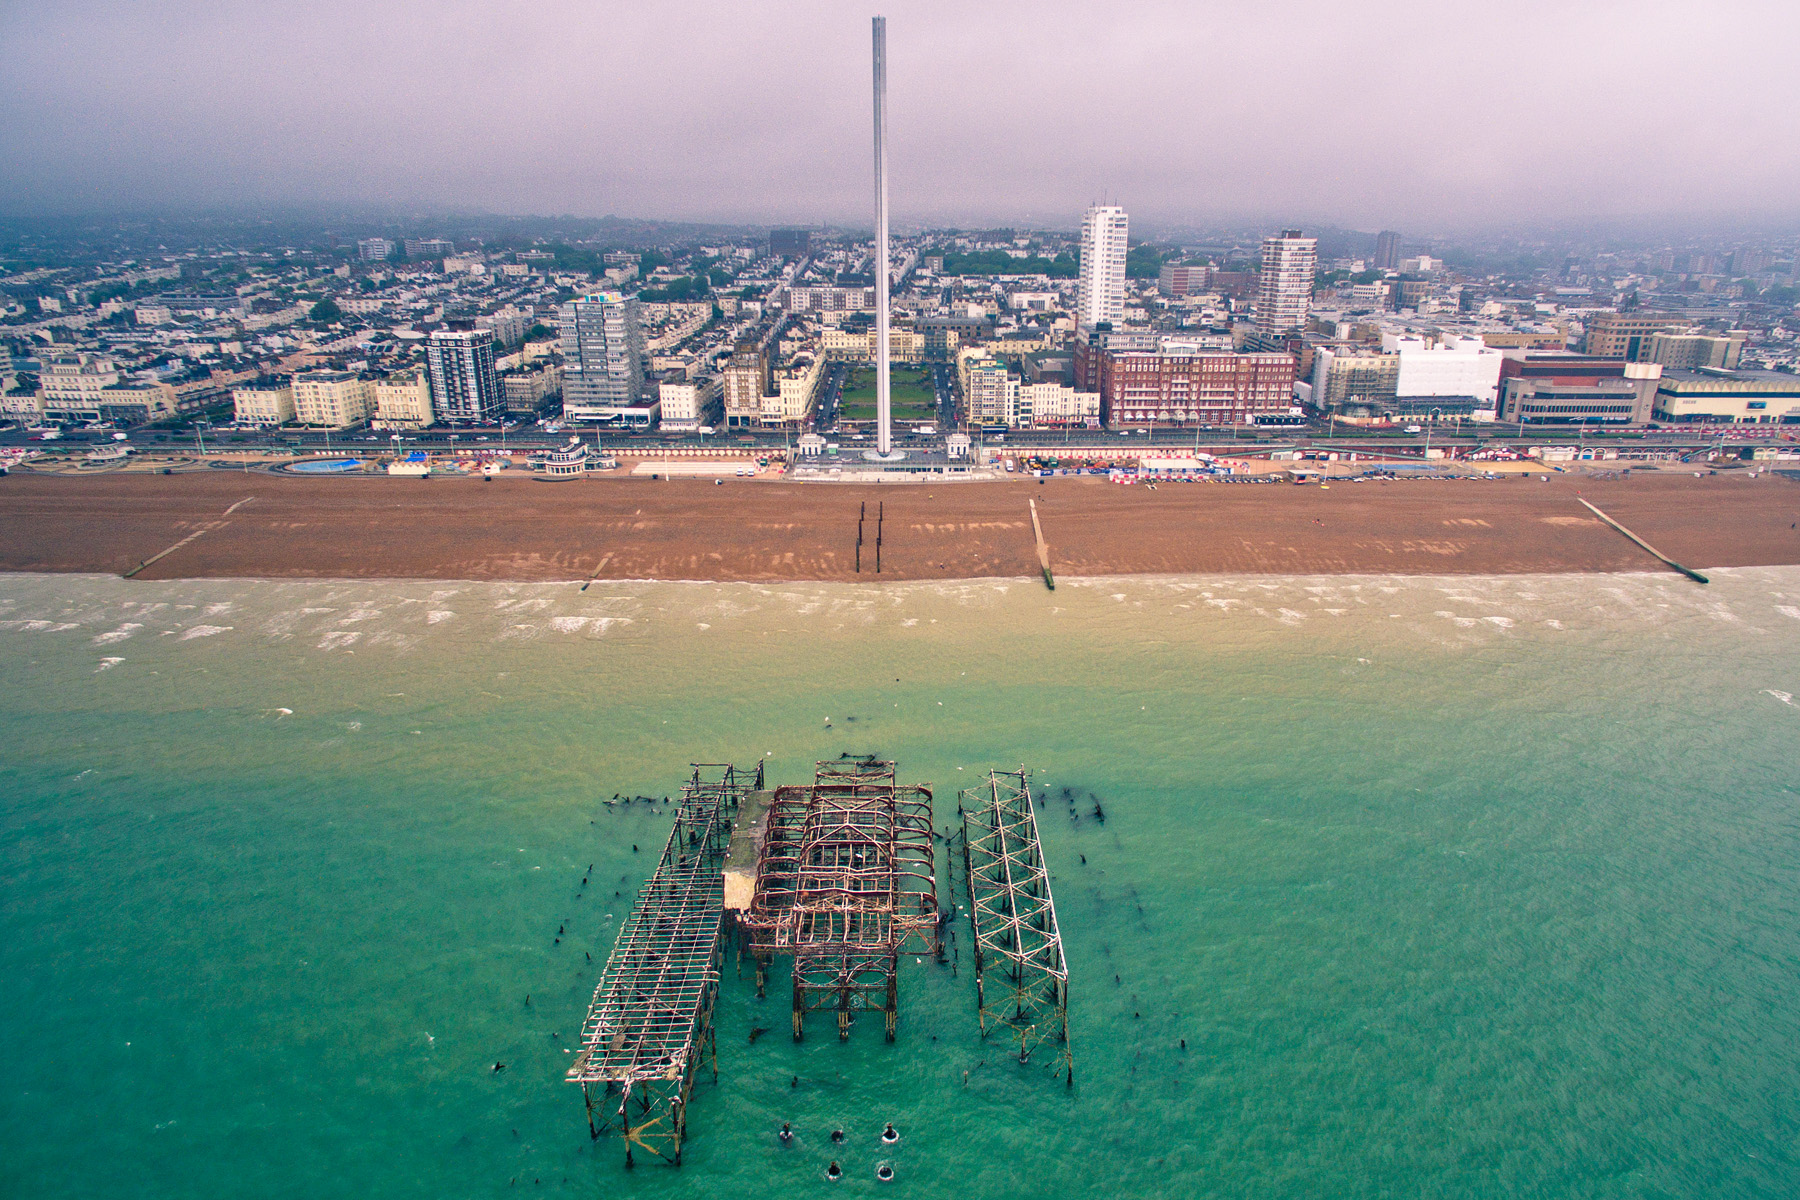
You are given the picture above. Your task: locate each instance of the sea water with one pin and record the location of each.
(1451, 887)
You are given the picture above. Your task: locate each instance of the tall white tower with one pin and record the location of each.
(1100, 295)
(884, 416)
(1285, 294)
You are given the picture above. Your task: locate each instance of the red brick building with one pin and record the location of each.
(1140, 388)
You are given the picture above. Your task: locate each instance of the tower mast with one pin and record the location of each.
(884, 433)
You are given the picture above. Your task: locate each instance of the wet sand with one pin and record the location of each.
(623, 528)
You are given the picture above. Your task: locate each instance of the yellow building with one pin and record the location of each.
(402, 401)
(1013, 344)
(904, 346)
(265, 404)
(333, 399)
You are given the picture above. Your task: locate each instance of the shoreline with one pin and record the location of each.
(223, 525)
(1033, 581)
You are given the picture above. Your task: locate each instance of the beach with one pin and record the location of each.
(257, 525)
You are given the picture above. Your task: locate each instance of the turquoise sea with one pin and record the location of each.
(1453, 887)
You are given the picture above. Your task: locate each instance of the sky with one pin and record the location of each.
(1385, 113)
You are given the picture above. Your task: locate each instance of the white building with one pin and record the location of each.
(73, 382)
(796, 387)
(1448, 366)
(1042, 405)
(1100, 294)
(603, 348)
(684, 403)
(374, 249)
(1289, 263)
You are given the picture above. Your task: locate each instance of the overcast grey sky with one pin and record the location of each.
(1387, 113)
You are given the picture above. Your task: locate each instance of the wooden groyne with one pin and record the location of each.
(165, 553)
(1043, 549)
(1692, 574)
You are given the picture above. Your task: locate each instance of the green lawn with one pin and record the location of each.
(913, 397)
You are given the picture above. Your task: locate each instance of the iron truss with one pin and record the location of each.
(1021, 980)
(651, 1020)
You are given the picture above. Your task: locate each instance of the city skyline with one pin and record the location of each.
(406, 107)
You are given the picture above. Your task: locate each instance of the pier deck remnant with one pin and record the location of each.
(651, 1020)
(1021, 980)
(846, 882)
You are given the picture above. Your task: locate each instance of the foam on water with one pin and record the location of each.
(1455, 886)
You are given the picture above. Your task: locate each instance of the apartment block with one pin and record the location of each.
(1182, 279)
(464, 387)
(1141, 387)
(1284, 292)
(527, 391)
(684, 404)
(269, 403)
(333, 399)
(1100, 293)
(1625, 334)
(402, 401)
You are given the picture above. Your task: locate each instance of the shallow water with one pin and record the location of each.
(1453, 886)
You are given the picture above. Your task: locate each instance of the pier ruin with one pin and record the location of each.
(1021, 980)
(651, 1020)
(846, 882)
(840, 876)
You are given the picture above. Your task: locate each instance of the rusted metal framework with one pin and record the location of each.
(846, 882)
(1021, 981)
(651, 1020)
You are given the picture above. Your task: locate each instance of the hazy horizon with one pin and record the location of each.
(1390, 114)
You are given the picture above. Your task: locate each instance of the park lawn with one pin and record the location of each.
(913, 397)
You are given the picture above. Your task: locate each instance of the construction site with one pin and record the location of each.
(838, 880)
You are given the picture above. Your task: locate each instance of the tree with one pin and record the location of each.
(539, 333)
(1143, 262)
(326, 311)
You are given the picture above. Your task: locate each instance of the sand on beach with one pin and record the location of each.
(623, 528)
